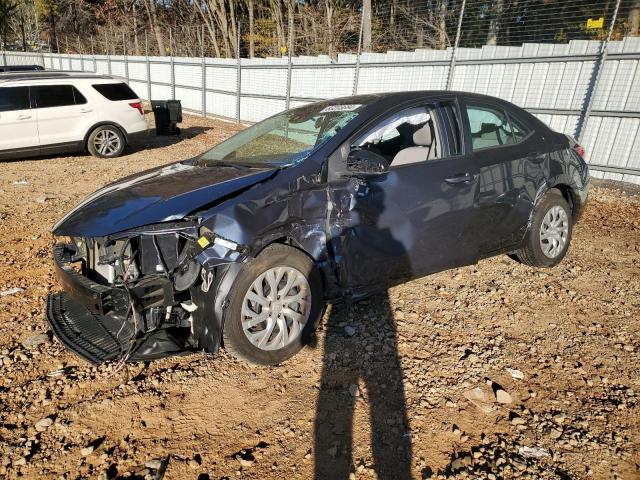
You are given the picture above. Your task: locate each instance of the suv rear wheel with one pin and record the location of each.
(106, 141)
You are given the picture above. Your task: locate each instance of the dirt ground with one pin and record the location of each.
(491, 371)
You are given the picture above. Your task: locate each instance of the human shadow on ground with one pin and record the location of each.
(347, 363)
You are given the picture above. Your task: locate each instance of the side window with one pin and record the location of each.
(491, 127)
(47, 96)
(407, 136)
(518, 130)
(14, 98)
(115, 91)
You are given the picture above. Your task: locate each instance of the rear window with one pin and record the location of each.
(14, 98)
(116, 91)
(48, 96)
(492, 127)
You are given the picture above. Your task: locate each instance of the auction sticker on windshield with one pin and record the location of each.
(341, 108)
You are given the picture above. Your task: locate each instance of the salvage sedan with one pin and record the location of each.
(244, 245)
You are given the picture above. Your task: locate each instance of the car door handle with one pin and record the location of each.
(24, 117)
(460, 179)
(86, 110)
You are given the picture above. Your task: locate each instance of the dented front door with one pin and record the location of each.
(413, 220)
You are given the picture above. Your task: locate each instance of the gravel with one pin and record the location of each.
(432, 357)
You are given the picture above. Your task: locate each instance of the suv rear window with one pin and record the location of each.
(47, 96)
(14, 98)
(116, 91)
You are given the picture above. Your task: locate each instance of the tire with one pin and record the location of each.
(273, 261)
(106, 141)
(552, 211)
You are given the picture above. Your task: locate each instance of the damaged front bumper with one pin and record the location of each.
(94, 321)
(163, 297)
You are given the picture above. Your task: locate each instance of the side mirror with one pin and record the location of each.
(366, 162)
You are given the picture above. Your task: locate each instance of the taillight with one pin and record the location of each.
(137, 106)
(579, 149)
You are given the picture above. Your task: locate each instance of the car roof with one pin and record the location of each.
(408, 96)
(53, 75)
(381, 102)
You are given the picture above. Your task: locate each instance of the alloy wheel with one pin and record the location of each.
(106, 142)
(276, 308)
(554, 231)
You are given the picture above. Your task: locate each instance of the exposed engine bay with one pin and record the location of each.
(146, 285)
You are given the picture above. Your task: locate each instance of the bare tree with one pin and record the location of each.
(366, 25)
(252, 43)
(152, 13)
(634, 18)
(494, 24)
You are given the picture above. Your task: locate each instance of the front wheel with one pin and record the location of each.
(549, 235)
(274, 307)
(106, 141)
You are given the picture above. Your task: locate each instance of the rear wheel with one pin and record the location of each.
(274, 306)
(549, 235)
(106, 141)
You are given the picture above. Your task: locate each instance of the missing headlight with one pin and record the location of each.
(171, 255)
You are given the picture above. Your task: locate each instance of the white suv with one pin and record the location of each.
(55, 112)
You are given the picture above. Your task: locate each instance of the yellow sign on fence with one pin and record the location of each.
(595, 23)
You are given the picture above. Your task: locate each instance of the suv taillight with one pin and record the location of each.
(137, 106)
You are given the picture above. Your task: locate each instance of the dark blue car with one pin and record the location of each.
(246, 243)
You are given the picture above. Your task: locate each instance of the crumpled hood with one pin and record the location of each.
(160, 195)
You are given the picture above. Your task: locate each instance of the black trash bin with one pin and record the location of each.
(167, 114)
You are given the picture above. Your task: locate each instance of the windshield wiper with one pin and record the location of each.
(218, 163)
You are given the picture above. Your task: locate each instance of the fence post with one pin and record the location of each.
(59, 54)
(4, 57)
(80, 53)
(204, 74)
(126, 59)
(146, 54)
(452, 64)
(595, 78)
(66, 47)
(356, 75)
(173, 67)
(238, 77)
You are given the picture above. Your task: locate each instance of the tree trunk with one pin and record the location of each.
(54, 35)
(233, 21)
(634, 18)
(24, 37)
(150, 5)
(366, 26)
(330, 34)
(494, 25)
(442, 24)
(252, 43)
(136, 43)
(276, 13)
(291, 35)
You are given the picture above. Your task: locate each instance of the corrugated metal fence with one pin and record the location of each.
(569, 86)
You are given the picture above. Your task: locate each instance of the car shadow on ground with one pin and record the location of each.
(361, 367)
